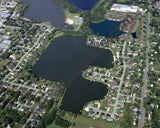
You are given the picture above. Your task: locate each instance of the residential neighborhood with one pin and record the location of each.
(124, 81)
(22, 94)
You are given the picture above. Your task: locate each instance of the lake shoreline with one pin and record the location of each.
(76, 72)
(74, 34)
(54, 13)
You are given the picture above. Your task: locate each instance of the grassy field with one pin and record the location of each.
(53, 126)
(101, 4)
(70, 15)
(156, 18)
(84, 122)
(3, 63)
(122, 0)
(47, 24)
(18, 126)
(138, 30)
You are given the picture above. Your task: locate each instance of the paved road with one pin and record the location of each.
(129, 96)
(145, 73)
(30, 117)
(20, 85)
(95, 110)
(121, 80)
(23, 105)
(11, 27)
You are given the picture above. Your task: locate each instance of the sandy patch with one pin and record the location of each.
(69, 21)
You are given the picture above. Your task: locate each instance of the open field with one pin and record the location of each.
(18, 126)
(84, 122)
(138, 30)
(53, 126)
(3, 63)
(70, 15)
(122, 0)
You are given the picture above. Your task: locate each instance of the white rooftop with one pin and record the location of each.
(125, 8)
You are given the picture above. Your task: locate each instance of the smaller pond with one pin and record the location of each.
(134, 35)
(107, 28)
(83, 4)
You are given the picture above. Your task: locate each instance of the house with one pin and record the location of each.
(27, 112)
(38, 95)
(8, 126)
(21, 80)
(32, 102)
(5, 37)
(90, 115)
(14, 15)
(1, 23)
(103, 117)
(21, 109)
(12, 57)
(109, 119)
(10, 3)
(117, 118)
(134, 123)
(5, 85)
(4, 15)
(14, 107)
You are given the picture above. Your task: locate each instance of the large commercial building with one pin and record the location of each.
(126, 8)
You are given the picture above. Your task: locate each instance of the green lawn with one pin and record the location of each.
(70, 15)
(138, 30)
(84, 122)
(122, 0)
(18, 126)
(3, 63)
(53, 126)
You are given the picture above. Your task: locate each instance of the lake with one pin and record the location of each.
(46, 11)
(84, 4)
(64, 60)
(107, 28)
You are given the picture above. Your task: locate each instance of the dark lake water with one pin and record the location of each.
(47, 11)
(64, 60)
(134, 35)
(83, 4)
(107, 28)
